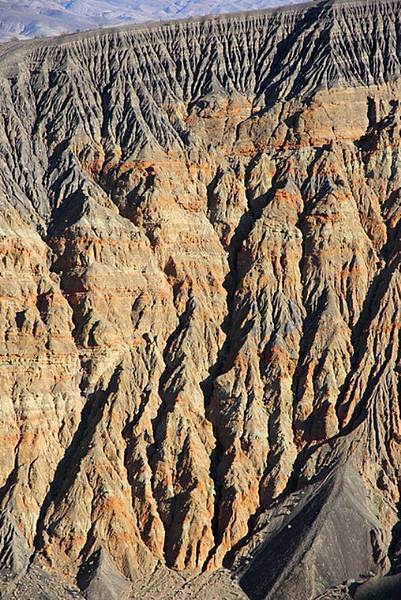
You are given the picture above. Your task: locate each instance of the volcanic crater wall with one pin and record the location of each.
(200, 300)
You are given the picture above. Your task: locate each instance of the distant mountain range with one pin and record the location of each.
(27, 19)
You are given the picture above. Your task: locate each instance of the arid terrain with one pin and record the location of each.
(200, 309)
(26, 19)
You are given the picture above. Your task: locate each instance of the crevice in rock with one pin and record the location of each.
(377, 290)
(167, 396)
(233, 279)
(68, 467)
(307, 335)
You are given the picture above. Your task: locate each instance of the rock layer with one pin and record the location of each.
(200, 296)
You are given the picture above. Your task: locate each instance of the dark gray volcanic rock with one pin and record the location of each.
(200, 308)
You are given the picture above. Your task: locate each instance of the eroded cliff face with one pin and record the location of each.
(200, 305)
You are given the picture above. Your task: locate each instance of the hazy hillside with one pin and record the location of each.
(25, 19)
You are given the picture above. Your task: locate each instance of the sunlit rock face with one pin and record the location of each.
(200, 297)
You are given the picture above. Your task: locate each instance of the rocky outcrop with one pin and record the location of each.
(200, 296)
